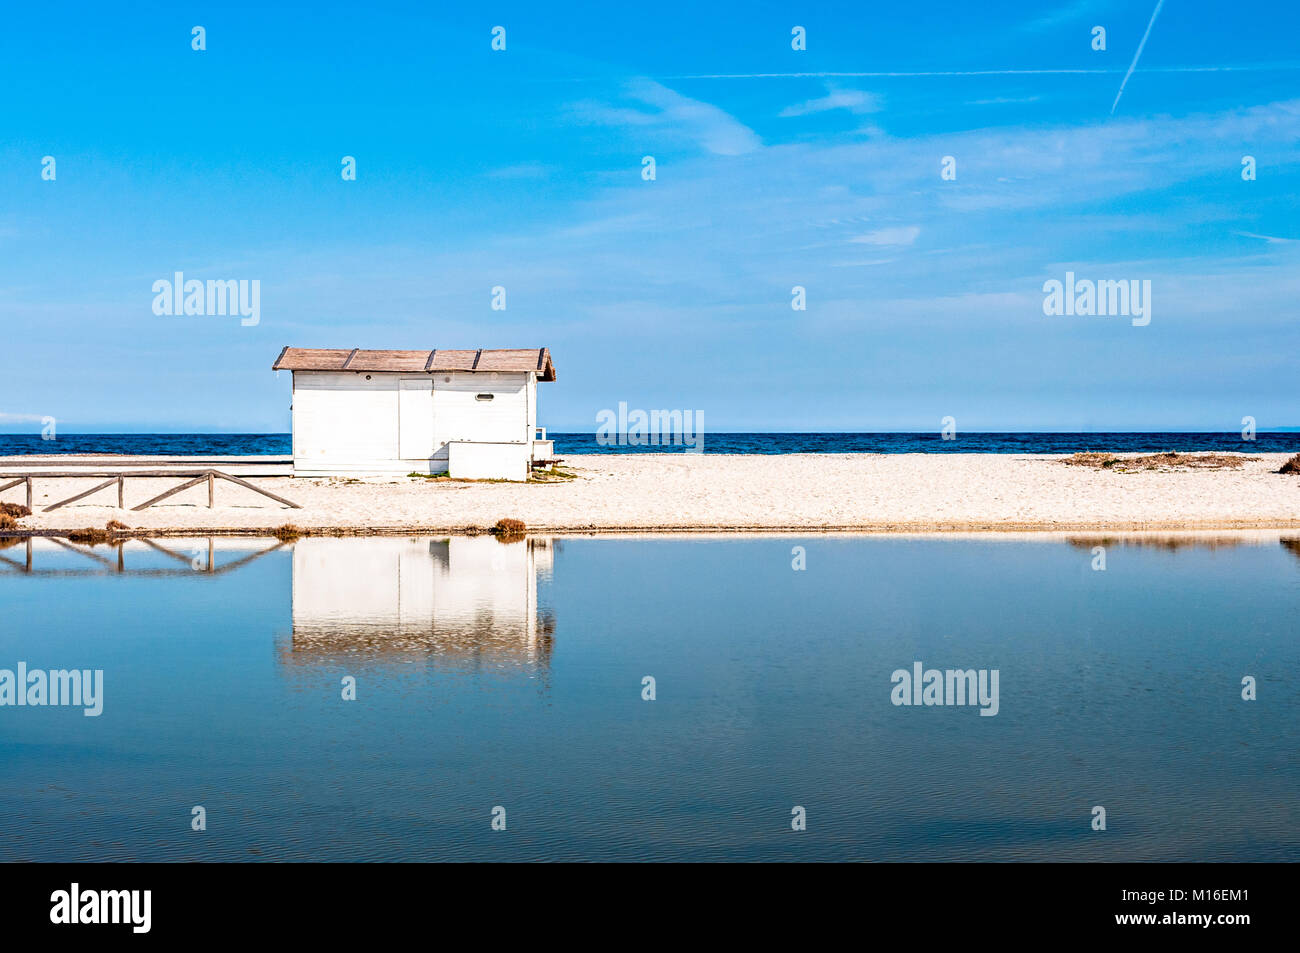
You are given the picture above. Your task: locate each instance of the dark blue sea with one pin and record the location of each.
(230, 444)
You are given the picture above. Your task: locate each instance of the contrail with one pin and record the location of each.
(1132, 66)
(822, 75)
(910, 74)
(905, 74)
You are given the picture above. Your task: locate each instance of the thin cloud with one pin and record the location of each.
(898, 235)
(1074, 11)
(1271, 239)
(855, 101)
(666, 111)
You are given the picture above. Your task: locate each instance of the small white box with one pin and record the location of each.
(470, 460)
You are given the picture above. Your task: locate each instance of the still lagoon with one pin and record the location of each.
(666, 698)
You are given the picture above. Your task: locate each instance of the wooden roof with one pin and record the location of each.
(417, 362)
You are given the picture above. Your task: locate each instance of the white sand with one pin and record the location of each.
(878, 492)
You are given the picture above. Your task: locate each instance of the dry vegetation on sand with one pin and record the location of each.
(1292, 465)
(509, 530)
(93, 537)
(1158, 461)
(11, 513)
(89, 536)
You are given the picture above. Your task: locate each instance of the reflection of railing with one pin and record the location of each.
(118, 478)
(112, 567)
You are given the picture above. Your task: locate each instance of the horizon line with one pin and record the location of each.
(719, 433)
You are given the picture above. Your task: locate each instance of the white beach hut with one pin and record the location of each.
(471, 414)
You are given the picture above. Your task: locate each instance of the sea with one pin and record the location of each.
(276, 444)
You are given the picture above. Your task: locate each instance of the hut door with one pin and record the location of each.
(415, 419)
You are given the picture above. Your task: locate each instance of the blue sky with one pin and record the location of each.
(522, 169)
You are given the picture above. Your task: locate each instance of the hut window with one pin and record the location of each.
(482, 396)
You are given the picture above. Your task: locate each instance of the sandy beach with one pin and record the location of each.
(612, 493)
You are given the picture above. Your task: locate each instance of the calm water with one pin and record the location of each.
(574, 443)
(492, 674)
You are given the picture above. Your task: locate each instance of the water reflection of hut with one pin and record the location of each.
(464, 601)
